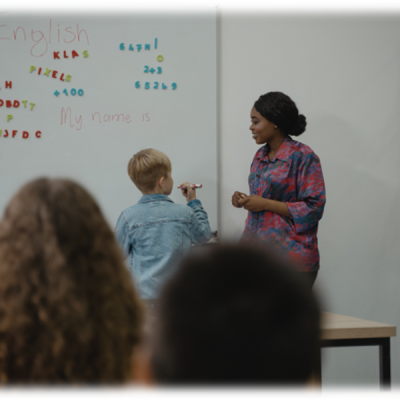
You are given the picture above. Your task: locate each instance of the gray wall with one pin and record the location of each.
(344, 74)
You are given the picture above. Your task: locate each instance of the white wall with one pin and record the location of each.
(344, 74)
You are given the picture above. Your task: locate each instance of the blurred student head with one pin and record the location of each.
(235, 314)
(68, 310)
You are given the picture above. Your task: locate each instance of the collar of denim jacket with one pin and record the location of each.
(154, 197)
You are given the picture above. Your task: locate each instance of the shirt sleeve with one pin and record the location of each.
(200, 231)
(121, 234)
(309, 207)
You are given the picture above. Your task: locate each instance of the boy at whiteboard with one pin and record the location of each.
(155, 233)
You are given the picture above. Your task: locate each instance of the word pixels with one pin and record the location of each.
(53, 73)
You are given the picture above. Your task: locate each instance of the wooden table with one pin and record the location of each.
(342, 331)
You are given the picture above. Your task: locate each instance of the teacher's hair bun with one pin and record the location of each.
(300, 126)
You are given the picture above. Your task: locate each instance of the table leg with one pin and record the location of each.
(384, 364)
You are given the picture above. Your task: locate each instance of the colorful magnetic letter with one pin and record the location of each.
(6, 131)
(68, 78)
(47, 72)
(74, 54)
(85, 54)
(8, 84)
(147, 47)
(9, 116)
(14, 133)
(61, 77)
(32, 68)
(139, 46)
(1, 103)
(24, 101)
(137, 84)
(160, 58)
(173, 86)
(147, 85)
(65, 54)
(55, 55)
(155, 43)
(8, 103)
(38, 134)
(163, 86)
(25, 134)
(40, 70)
(54, 74)
(32, 104)
(131, 47)
(57, 93)
(16, 103)
(121, 46)
(1, 132)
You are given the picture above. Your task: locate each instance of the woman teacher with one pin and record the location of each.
(287, 191)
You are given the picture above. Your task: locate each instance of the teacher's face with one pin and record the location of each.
(263, 130)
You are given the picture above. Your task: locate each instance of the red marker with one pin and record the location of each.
(194, 186)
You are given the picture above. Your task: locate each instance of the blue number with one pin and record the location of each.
(155, 85)
(163, 86)
(121, 46)
(65, 91)
(80, 92)
(73, 92)
(173, 86)
(139, 47)
(147, 85)
(159, 70)
(137, 84)
(146, 69)
(131, 47)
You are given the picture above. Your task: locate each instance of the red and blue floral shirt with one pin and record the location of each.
(293, 176)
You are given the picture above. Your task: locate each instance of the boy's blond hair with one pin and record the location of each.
(146, 166)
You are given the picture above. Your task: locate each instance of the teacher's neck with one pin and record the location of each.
(274, 145)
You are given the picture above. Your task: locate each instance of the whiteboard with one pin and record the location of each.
(80, 94)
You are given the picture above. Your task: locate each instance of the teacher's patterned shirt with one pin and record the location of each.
(295, 177)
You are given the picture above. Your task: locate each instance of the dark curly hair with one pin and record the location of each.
(235, 314)
(281, 110)
(68, 310)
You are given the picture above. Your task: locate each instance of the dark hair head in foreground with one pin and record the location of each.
(236, 314)
(68, 310)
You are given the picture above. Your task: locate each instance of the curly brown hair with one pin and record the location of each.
(68, 310)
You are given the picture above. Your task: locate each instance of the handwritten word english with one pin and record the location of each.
(41, 39)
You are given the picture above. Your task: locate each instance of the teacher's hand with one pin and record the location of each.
(236, 197)
(253, 203)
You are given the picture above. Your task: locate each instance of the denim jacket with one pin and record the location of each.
(155, 233)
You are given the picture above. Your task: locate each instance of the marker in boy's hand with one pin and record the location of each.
(188, 190)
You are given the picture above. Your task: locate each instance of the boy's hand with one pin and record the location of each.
(188, 191)
(237, 196)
